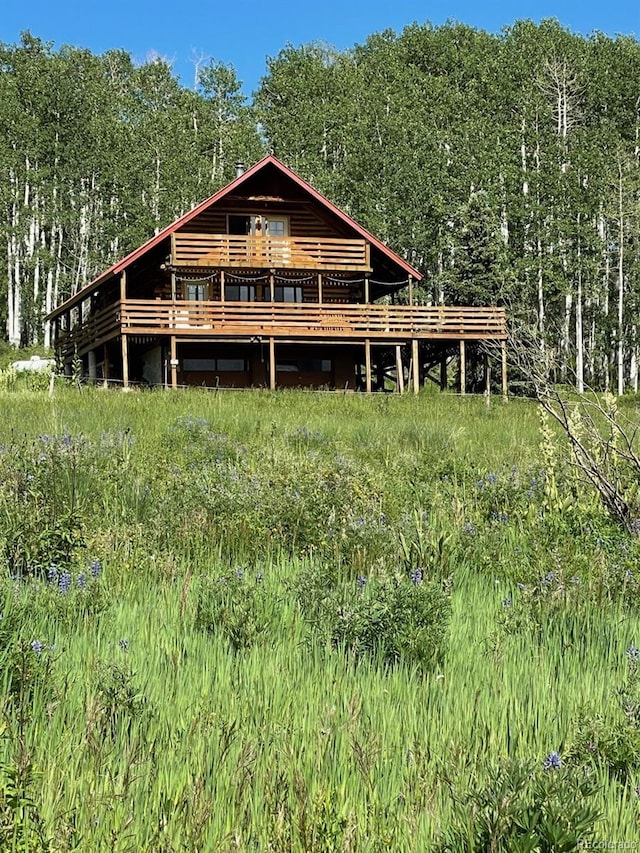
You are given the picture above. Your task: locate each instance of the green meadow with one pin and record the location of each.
(309, 622)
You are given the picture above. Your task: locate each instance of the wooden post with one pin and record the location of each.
(503, 347)
(366, 290)
(410, 290)
(487, 379)
(222, 286)
(272, 364)
(91, 365)
(173, 287)
(399, 370)
(443, 371)
(125, 362)
(272, 292)
(416, 365)
(174, 363)
(319, 288)
(105, 365)
(463, 370)
(123, 285)
(367, 365)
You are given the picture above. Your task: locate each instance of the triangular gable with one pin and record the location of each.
(229, 189)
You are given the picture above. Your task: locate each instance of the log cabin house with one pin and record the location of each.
(264, 284)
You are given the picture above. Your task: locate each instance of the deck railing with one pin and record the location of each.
(282, 319)
(250, 252)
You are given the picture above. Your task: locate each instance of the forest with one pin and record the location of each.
(504, 166)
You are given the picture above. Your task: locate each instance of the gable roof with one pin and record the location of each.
(229, 189)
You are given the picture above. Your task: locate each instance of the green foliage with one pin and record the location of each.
(237, 606)
(524, 808)
(401, 619)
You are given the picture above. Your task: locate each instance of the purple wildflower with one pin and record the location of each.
(37, 647)
(64, 583)
(96, 568)
(552, 761)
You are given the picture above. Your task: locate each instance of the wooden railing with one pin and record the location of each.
(248, 252)
(306, 320)
(95, 330)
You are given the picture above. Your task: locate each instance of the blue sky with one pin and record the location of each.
(244, 34)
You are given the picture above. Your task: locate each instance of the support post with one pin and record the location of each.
(366, 290)
(123, 285)
(367, 365)
(174, 363)
(444, 381)
(105, 365)
(503, 348)
(463, 370)
(125, 361)
(91, 362)
(319, 288)
(399, 370)
(487, 379)
(272, 364)
(222, 286)
(174, 290)
(410, 290)
(416, 365)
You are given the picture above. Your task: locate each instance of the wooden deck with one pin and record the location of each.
(215, 251)
(341, 323)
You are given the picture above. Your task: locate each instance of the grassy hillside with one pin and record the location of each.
(307, 622)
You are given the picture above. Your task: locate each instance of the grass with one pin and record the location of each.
(146, 732)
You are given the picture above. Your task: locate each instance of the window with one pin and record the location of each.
(213, 365)
(240, 292)
(288, 293)
(305, 365)
(196, 291)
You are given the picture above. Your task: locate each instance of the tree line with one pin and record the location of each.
(506, 167)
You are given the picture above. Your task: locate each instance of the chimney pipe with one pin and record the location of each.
(239, 169)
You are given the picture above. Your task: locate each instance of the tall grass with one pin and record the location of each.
(140, 725)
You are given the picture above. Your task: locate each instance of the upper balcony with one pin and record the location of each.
(228, 251)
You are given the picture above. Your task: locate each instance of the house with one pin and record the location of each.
(264, 284)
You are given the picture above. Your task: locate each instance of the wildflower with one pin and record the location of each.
(635, 525)
(417, 576)
(361, 581)
(492, 479)
(96, 568)
(82, 580)
(64, 583)
(239, 573)
(52, 574)
(468, 528)
(552, 761)
(37, 647)
(124, 644)
(507, 602)
(633, 653)
(548, 579)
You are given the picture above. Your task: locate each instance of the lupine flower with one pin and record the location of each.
(64, 582)
(417, 576)
(361, 581)
(635, 525)
(633, 653)
(239, 573)
(82, 580)
(96, 568)
(52, 574)
(548, 578)
(492, 479)
(468, 528)
(37, 647)
(124, 644)
(552, 761)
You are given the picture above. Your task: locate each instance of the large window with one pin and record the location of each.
(304, 365)
(196, 291)
(213, 365)
(288, 293)
(240, 292)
